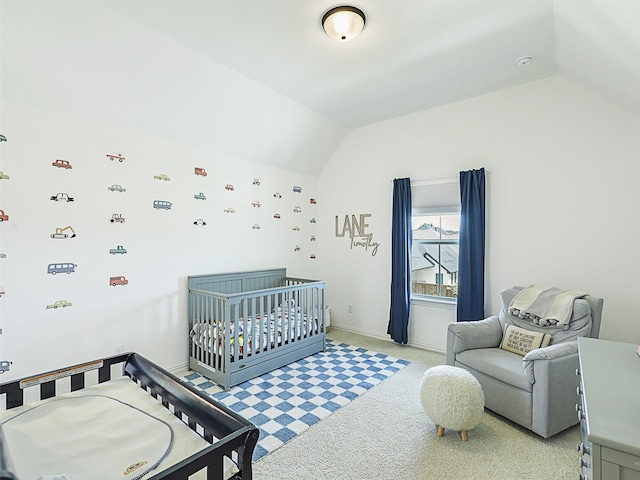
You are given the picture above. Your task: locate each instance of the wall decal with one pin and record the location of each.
(61, 232)
(313, 220)
(62, 267)
(255, 204)
(312, 256)
(313, 238)
(357, 230)
(277, 195)
(3, 176)
(3, 138)
(117, 188)
(200, 196)
(3, 216)
(230, 210)
(118, 280)
(276, 215)
(62, 197)
(255, 226)
(3, 255)
(312, 201)
(297, 189)
(162, 176)
(118, 250)
(297, 209)
(256, 182)
(200, 171)
(296, 229)
(162, 204)
(5, 365)
(115, 156)
(229, 187)
(62, 164)
(297, 249)
(59, 303)
(200, 221)
(117, 218)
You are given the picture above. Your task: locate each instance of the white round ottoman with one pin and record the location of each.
(452, 398)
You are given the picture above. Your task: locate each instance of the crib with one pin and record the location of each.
(244, 324)
(220, 442)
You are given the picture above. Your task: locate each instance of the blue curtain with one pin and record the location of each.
(400, 260)
(471, 255)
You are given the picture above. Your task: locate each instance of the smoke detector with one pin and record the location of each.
(524, 61)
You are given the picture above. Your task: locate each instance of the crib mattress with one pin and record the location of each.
(108, 431)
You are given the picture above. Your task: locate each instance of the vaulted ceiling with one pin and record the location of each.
(259, 79)
(413, 54)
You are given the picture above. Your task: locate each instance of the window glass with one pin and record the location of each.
(434, 256)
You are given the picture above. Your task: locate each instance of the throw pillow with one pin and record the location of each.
(521, 341)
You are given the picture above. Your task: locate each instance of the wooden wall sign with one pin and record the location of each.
(356, 228)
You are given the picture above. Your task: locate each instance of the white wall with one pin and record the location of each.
(78, 82)
(562, 201)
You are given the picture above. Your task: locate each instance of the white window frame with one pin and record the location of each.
(435, 197)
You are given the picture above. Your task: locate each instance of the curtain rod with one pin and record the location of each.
(437, 180)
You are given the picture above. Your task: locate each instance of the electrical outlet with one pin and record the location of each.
(119, 348)
(350, 308)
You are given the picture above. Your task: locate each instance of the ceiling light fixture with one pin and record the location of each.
(343, 23)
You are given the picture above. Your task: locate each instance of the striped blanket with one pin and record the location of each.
(545, 306)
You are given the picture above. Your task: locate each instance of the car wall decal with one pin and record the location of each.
(115, 156)
(162, 204)
(59, 304)
(200, 222)
(3, 176)
(200, 171)
(64, 232)
(61, 267)
(118, 250)
(116, 188)
(60, 163)
(118, 280)
(229, 210)
(3, 216)
(256, 182)
(200, 196)
(162, 176)
(62, 197)
(117, 218)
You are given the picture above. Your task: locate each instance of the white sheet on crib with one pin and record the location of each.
(95, 434)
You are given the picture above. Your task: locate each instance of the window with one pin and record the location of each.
(435, 235)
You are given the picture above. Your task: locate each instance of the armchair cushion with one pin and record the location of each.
(496, 363)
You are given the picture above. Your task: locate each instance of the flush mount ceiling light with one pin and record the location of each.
(343, 23)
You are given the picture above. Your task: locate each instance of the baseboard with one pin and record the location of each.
(180, 368)
(423, 346)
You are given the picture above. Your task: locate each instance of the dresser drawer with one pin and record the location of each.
(629, 462)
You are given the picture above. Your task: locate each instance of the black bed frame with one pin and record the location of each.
(228, 433)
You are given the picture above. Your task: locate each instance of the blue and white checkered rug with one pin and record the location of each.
(287, 401)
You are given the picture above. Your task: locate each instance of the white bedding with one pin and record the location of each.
(108, 431)
(262, 331)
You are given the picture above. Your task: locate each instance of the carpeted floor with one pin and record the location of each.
(385, 435)
(287, 401)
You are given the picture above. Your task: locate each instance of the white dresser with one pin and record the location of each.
(609, 410)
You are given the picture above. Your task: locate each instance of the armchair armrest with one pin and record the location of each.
(552, 352)
(463, 336)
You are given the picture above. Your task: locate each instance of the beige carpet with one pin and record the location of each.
(385, 435)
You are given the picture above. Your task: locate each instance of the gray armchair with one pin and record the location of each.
(537, 390)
